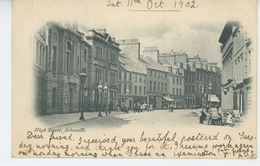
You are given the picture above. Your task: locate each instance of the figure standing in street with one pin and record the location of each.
(110, 107)
(202, 116)
(118, 107)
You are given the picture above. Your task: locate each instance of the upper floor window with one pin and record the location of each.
(130, 76)
(173, 81)
(119, 75)
(99, 52)
(85, 55)
(140, 79)
(165, 76)
(151, 73)
(180, 81)
(113, 58)
(177, 81)
(125, 75)
(107, 54)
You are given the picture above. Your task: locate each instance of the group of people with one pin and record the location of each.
(137, 107)
(205, 115)
(104, 107)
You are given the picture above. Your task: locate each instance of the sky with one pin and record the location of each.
(194, 31)
(192, 38)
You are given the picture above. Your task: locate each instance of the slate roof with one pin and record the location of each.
(128, 64)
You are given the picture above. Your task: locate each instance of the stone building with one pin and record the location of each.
(104, 68)
(207, 81)
(60, 54)
(157, 77)
(176, 78)
(133, 78)
(236, 79)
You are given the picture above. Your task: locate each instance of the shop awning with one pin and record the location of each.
(213, 98)
(167, 98)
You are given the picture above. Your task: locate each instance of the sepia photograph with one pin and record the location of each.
(134, 79)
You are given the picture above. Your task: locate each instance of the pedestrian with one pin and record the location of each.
(138, 106)
(171, 107)
(217, 107)
(230, 119)
(135, 107)
(118, 107)
(202, 116)
(104, 108)
(110, 107)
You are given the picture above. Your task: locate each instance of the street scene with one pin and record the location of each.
(84, 77)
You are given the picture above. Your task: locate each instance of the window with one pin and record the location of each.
(119, 75)
(54, 59)
(85, 55)
(125, 75)
(180, 81)
(135, 89)
(173, 91)
(177, 81)
(130, 76)
(165, 87)
(135, 77)
(144, 90)
(158, 75)
(165, 76)
(162, 87)
(154, 74)
(105, 75)
(177, 91)
(112, 78)
(154, 86)
(158, 86)
(113, 58)
(151, 85)
(107, 54)
(130, 89)
(99, 52)
(98, 75)
(173, 81)
(151, 73)
(68, 56)
(68, 62)
(144, 79)
(119, 87)
(124, 88)
(180, 91)
(140, 90)
(140, 79)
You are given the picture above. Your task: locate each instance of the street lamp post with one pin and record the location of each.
(202, 90)
(99, 100)
(105, 98)
(210, 94)
(127, 94)
(83, 77)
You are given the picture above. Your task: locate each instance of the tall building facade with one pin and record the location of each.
(236, 79)
(60, 54)
(104, 68)
(131, 78)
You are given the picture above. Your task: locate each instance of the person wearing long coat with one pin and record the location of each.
(202, 117)
(110, 107)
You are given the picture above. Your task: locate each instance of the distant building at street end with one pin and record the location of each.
(131, 77)
(236, 80)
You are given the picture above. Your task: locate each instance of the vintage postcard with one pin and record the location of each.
(134, 79)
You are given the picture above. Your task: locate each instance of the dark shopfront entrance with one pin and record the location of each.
(152, 100)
